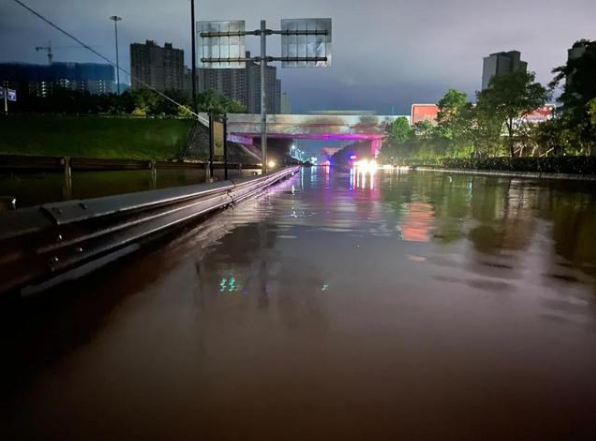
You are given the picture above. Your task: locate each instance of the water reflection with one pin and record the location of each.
(418, 222)
(400, 306)
(39, 188)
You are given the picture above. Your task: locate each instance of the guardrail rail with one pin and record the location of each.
(40, 243)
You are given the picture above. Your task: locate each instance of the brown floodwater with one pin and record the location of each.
(412, 306)
(42, 187)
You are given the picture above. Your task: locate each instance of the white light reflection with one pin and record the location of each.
(362, 170)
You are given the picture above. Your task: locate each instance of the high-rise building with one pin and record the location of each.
(161, 68)
(41, 80)
(242, 85)
(231, 83)
(285, 105)
(501, 63)
(576, 52)
(272, 84)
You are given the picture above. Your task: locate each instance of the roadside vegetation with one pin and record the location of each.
(496, 125)
(93, 136)
(135, 125)
(136, 103)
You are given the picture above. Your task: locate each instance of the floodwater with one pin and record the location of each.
(43, 187)
(413, 306)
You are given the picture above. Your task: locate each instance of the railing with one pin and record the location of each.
(19, 164)
(40, 163)
(40, 243)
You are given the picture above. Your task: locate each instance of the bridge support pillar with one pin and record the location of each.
(375, 147)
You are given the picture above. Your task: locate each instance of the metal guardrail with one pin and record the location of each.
(38, 163)
(40, 243)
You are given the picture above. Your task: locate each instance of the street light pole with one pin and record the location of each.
(194, 56)
(116, 19)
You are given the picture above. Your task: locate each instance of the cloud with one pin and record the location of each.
(387, 53)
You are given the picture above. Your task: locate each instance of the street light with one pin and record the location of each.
(116, 19)
(193, 70)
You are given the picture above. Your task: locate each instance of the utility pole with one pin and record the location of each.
(116, 19)
(263, 35)
(5, 94)
(194, 57)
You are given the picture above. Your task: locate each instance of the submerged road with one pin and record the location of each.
(334, 306)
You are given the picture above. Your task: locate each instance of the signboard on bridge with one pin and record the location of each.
(229, 46)
(316, 43)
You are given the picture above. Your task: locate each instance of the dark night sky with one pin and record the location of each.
(387, 54)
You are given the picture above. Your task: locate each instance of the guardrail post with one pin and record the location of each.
(211, 145)
(206, 165)
(67, 188)
(225, 145)
(153, 167)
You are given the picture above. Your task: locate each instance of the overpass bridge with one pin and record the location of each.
(244, 127)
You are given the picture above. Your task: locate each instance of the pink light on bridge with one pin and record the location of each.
(375, 146)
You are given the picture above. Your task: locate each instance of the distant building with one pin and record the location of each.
(285, 106)
(242, 85)
(231, 83)
(161, 68)
(272, 84)
(575, 52)
(430, 113)
(502, 63)
(42, 80)
(424, 112)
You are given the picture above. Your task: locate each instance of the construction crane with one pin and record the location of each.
(46, 48)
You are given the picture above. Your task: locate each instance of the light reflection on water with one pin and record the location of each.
(39, 188)
(396, 306)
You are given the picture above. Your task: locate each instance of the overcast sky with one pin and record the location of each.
(387, 54)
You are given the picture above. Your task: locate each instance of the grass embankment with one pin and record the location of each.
(93, 137)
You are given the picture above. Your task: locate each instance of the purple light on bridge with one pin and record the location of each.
(376, 140)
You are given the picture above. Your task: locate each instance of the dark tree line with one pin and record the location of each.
(142, 102)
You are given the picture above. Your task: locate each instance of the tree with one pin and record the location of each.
(450, 109)
(146, 102)
(166, 107)
(400, 131)
(455, 121)
(551, 136)
(510, 97)
(485, 131)
(592, 107)
(394, 146)
(579, 91)
(211, 100)
(424, 129)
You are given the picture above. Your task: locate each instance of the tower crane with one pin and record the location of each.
(47, 48)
